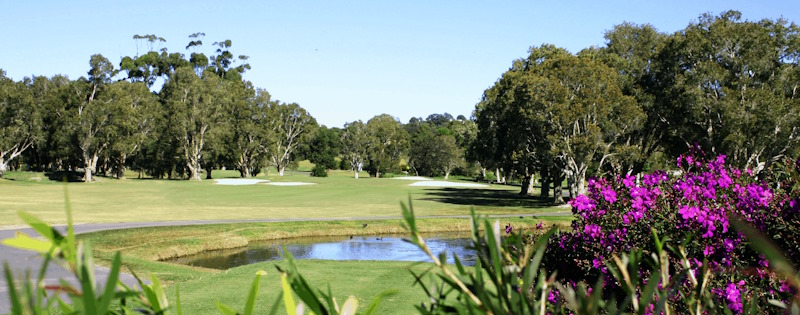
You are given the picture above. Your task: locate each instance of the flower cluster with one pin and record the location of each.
(695, 204)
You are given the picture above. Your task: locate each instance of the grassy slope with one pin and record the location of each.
(339, 196)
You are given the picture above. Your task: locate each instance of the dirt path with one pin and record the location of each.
(21, 261)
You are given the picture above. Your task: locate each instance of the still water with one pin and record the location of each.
(336, 248)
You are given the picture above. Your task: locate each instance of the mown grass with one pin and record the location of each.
(362, 279)
(200, 288)
(336, 196)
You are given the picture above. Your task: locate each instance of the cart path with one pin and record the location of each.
(21, 261)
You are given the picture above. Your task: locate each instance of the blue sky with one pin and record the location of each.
(343, 60)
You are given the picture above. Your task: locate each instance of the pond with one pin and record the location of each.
(336, 248)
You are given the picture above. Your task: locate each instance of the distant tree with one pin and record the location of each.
(439, 120)
(290, 126)
(388, 142)
(324, 147)
(434, 153)
(20, 120)
(248, 131)
(92, 112)
(355, 145)
(192, 104)
(135, 113)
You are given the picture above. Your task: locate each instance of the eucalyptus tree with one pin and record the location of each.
(192, 105)
(249, 133)
(136, 109)
(290, 125)
(586, 112)
(433, 152)
(634, 51)
(355, 145)
(737, 84)
(20, 120)
(91, 113)
(388, 142)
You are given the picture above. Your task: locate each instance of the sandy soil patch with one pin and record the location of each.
(239, 181)
(411, 178)
(289, 184)
(441, 183)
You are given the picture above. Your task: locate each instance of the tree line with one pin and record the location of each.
(722, 83)
(726, 85)
(204, 116)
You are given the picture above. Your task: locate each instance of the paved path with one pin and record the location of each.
(21, 261)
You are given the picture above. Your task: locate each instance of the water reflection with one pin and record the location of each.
(337, 248)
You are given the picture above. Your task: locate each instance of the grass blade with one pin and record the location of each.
(288, 299)
(251, 297)
(16, 305)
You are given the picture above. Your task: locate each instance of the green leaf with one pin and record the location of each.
(16, 304)
(373, 306)
(251, 297)
(288, 299)
(111, 284)
(225, 310)
(40, 226)
(23, 241)
(178, 308)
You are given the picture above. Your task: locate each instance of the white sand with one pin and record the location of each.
(441, 183)
(411, 178)
(239, 181)
(289, 184)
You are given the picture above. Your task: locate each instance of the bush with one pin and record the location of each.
(319, 170)
(694, 210)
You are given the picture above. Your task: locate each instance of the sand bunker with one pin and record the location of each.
(239, 181)
(289, 184)
(441, 183)
(411, 178)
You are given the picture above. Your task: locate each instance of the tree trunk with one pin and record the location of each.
(356, 173)
(446, 174)
(544, 192)
(526, 189)
(208, 172)
(281, 169)
(194, 170)
(89, 164)
(558, 195)
(119, 169)
(483, 173)
(3, 167)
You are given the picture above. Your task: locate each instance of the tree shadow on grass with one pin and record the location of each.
(485, 197)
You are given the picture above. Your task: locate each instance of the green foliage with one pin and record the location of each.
(388, 141)
(319, 170)
(324, 147)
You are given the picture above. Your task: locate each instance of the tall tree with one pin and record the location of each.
(135, 111)
(20, 120)
(324, 147)
(736, 84)
(192, 102)
(91, 113)
(290, 126)
(249, 132)
(388, 141)
(355, 145)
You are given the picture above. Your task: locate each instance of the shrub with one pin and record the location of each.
(694, 210)
(319, 170)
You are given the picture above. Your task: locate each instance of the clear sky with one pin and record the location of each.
(343, 60)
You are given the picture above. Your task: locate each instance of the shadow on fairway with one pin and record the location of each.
(485, 197)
